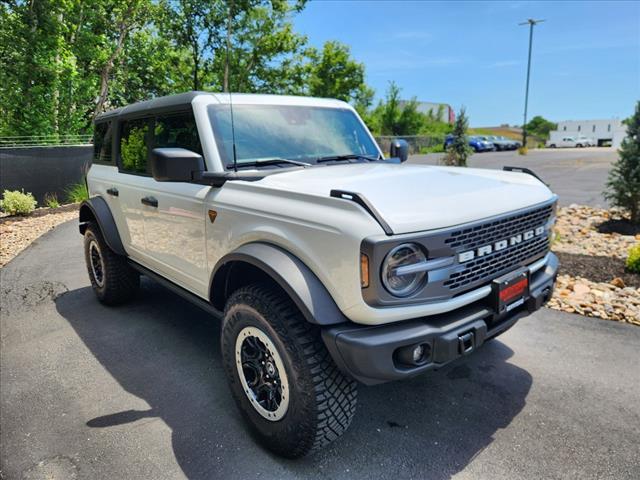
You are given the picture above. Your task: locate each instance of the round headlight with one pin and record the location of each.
(398, 283)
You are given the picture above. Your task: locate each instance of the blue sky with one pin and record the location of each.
(585, 64)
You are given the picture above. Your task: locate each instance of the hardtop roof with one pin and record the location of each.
(185, 99)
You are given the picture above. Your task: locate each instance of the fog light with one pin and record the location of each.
(414, 354)
(418, 353)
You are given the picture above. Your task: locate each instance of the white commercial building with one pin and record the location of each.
(602, 132)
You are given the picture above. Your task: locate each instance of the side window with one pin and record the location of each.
(178, 131)
(102, 135)
(133, 145)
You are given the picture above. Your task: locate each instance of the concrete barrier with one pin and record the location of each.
(42, 170)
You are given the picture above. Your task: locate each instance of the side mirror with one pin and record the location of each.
(176, 165)
(399, 149)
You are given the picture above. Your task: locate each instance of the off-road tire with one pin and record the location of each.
(322, 400)
(119, 282)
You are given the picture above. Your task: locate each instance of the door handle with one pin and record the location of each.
(150, 201)
(113, 191)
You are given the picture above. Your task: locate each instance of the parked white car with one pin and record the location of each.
(571, 142)
(326, 263)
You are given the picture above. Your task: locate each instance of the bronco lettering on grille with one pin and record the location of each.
(500, 245)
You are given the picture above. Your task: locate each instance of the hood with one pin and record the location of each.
(412, 198)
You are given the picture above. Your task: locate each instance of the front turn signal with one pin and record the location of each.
(364, 270)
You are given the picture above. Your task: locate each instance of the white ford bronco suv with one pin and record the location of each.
(327, 263)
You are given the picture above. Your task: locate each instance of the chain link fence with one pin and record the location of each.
(417, 143)
(27, 141)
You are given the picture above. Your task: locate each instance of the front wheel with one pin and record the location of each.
(281, 375)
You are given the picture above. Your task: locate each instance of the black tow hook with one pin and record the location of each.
(466, 343)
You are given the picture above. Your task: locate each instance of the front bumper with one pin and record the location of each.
(370, 353)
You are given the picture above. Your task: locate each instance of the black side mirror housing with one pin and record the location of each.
(399, 149)
(176, 165)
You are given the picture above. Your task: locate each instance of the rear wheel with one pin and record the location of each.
(281, 376)
(113, 280)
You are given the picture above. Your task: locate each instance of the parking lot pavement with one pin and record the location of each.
(137, 391)
(577, 175)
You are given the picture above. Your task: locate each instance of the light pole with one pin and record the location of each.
(531, 22)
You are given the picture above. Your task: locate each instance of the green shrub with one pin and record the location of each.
(51, 200)
(623, 184)
(17, 203)
(523, 150)
(633, 260)
(77, 193)
(439, 148)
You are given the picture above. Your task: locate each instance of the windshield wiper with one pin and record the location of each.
(351, 156)
(269, 161)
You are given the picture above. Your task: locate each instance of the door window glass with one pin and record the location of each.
(177, 131)
(133, 146)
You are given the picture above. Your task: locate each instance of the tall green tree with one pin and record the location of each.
(540, 127)
(459, 150)
(623, 184)
(254, 47)
(333, 73)
(394, 116)
(62, 62)
(184, 22)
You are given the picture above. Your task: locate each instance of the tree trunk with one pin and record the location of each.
(106, 70)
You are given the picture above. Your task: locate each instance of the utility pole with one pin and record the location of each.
(531, 22)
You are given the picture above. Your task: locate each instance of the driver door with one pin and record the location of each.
(175, 225)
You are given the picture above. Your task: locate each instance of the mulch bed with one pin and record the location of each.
(618, 225)
(596, 269)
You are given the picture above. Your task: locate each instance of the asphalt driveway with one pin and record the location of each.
(138, 392)
(578, 175)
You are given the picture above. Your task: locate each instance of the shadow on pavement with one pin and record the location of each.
(165, 351)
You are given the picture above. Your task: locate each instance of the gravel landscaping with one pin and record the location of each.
(17, 233)
(609, 301)
(593, 280)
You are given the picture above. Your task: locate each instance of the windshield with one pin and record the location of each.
(264, 132)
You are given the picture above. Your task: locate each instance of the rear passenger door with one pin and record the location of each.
(175, 227)
(132, 180)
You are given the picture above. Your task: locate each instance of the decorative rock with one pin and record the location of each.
(575, 232)
(601, 300)
(618, 282)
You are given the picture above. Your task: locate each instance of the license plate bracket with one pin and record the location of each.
(510, 290)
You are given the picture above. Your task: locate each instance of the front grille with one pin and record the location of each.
(492, 265)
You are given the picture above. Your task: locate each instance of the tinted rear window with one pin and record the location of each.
(133, 146)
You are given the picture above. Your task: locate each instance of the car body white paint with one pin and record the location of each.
(294, 211)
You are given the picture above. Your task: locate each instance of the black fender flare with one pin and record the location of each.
(97, 208)
(305, 289)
